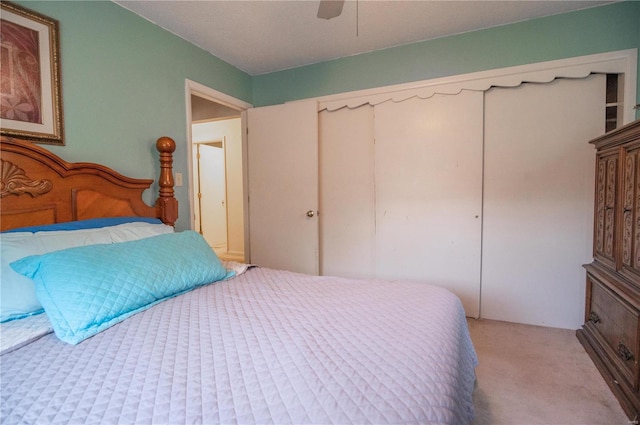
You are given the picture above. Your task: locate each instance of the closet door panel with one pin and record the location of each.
(283, 186)
(347, 198)
(538, 200)
(428, 189)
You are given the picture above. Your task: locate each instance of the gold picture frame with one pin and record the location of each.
(30, 86)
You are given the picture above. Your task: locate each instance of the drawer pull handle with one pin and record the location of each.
(593, 317)
(624, 353)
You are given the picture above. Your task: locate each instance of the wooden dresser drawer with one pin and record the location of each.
(617, 324)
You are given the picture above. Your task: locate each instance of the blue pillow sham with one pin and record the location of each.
(92, 223)
(86, 290)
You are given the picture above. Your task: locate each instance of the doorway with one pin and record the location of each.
(218, 185)
(216, 171)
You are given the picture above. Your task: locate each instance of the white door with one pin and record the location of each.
(538, 206)
(282, 147)
(428, 192)
(212, 185)
(347, 193)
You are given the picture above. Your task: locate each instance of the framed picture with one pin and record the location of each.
(30, 92)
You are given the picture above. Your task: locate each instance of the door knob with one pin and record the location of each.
(310, 213)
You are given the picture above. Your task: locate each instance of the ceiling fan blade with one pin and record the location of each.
(330, 8)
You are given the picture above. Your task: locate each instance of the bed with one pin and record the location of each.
(133, 322)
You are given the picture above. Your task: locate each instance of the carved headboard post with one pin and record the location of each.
(166, 203)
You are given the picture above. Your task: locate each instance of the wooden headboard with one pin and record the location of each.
(38, 187)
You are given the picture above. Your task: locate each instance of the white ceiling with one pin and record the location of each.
(261, 36)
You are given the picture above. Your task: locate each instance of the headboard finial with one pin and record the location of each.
(166, 145)
(167, 204)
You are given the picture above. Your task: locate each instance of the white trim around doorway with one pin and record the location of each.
(195, 88)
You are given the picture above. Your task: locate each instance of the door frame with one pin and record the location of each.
(200, 90)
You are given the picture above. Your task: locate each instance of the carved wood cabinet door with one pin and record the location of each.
(630, 255)
(606, 194)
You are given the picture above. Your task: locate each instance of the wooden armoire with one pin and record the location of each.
(611, 332)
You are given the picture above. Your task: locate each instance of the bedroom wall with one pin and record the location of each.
(595, 30)
(123, 77)
(123, 84)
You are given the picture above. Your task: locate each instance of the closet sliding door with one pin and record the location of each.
(347, 196)
(428, 192)
(538, 199)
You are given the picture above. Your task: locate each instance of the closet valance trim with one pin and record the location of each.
(620, 62)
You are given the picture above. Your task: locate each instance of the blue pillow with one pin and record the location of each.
(86, 290)
(92, 223)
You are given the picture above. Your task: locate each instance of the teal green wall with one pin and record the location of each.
(123, 83)
(589, 31)
(123, 78)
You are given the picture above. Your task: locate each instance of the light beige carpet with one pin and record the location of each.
(537, 375)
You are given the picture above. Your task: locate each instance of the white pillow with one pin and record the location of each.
(139, 230)
(17, 293)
